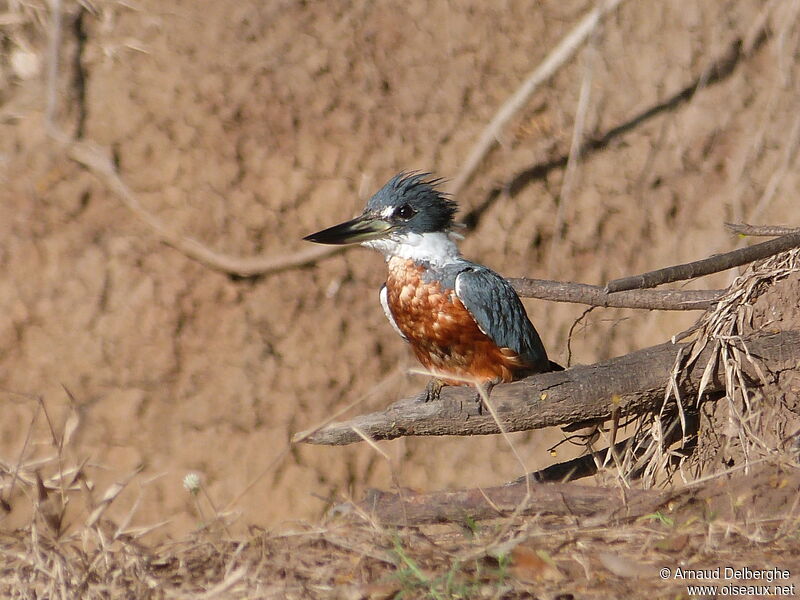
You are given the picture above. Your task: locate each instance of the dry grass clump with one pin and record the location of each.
(686, 436)
(730, 520)
(751, 423)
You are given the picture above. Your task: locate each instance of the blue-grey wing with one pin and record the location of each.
(500, 314)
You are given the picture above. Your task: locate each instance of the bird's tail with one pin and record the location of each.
(554, 366)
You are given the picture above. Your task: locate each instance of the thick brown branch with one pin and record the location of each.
(544, 71)
(595, 295)
(582, 466)
(567, 499)
(633, 383)
(712, 264)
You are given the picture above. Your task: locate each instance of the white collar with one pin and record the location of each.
(437, 247)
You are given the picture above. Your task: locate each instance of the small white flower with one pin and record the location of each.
(192, 483)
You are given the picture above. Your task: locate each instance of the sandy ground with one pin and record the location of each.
(247, 125)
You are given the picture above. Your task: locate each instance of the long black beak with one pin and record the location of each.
(360, 229)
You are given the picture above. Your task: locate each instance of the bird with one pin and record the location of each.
(464, 322)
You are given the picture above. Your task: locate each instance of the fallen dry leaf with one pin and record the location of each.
(529, 565)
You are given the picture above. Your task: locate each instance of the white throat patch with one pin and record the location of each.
(435, 247)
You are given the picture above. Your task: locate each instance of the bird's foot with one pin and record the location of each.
(432, 390)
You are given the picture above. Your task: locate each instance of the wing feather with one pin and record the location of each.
(499, 314)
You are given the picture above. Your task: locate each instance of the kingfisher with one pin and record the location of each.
(464, 322)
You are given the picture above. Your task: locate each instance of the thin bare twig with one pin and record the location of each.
(595, 295)
(713, 264)
(716, 71)
(761, 230)
(572, 330)
(98, 161)
(552, 63)
(574, 157)
(54, 44)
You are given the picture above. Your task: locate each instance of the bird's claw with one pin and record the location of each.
(433, 390)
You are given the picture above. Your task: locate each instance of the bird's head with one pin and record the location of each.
(403, 211)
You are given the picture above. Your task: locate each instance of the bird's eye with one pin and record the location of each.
(405, 212)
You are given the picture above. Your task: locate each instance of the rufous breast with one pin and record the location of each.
(442, 332)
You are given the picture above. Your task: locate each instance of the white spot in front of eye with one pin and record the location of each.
(387, 212)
